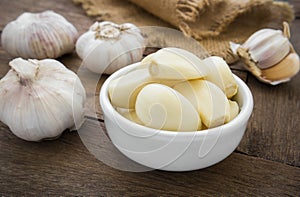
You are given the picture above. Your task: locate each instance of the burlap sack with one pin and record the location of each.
(212, 22)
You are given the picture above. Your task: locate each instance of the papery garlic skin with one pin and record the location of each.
(39, 35)
(280, 71)
(107, 47)
(267, 47)
(269, 55)
(40, 99)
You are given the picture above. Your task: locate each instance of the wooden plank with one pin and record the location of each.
(274, 129)
(65, 167)
(295, 38)
(4, 59)
(296, 5)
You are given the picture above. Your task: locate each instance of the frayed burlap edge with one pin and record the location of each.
(187, 12)
(89, 7)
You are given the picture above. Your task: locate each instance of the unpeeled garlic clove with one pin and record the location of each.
(107, 46)
(267, 47)
(167, 110)
(39, 35)
(209, 100)
(269, 55)
(40, 99)
(284, 70)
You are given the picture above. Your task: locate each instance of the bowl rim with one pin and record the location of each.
(240, 119)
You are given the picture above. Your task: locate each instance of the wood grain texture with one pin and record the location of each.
(296, 5)
(66, 167)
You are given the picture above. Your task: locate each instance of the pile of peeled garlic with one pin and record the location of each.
(269, 55)
(39, 35)
(174, 90)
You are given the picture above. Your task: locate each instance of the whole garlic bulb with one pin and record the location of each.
(269, 55)
(107, 47)
(39, 35)
(40, 99)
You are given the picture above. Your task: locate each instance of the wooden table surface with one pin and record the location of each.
(266, 162)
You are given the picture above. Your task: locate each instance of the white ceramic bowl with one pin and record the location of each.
(175, 151)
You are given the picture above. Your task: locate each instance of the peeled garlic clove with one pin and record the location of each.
(40, 99)
(175, 64)
(284, 70)
(234, 111)
(123, 90)
(130, 115)
(209, 100)
(39, 35)
(160, 107)
(221, 75)
(107, 46)
(171, 83)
